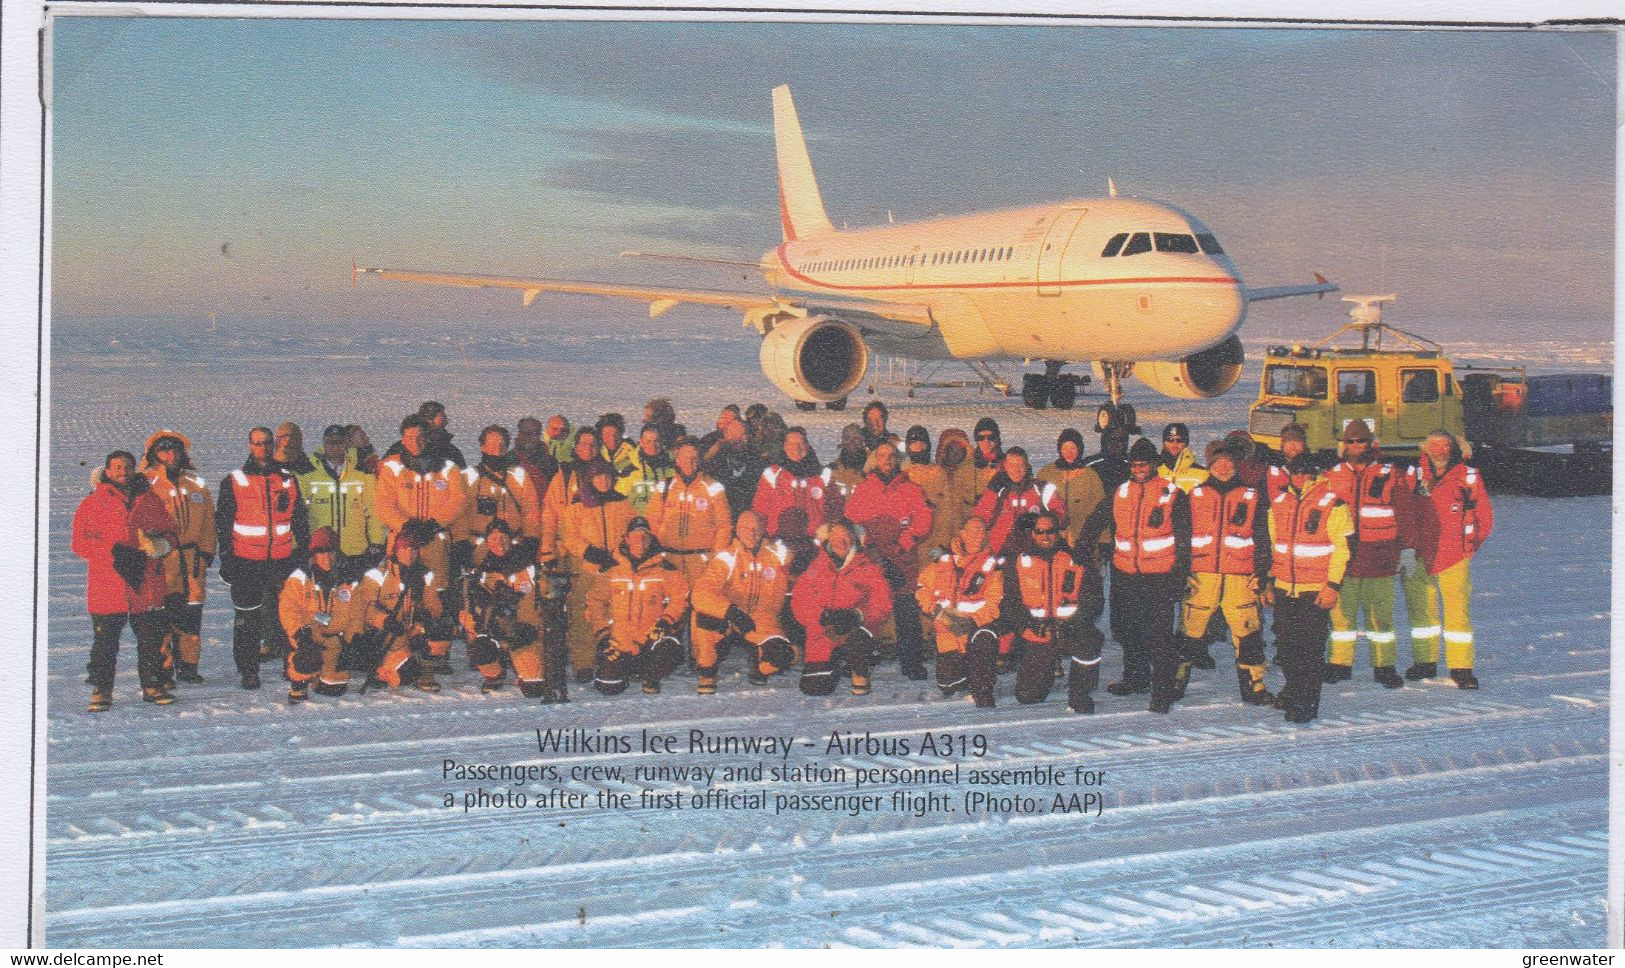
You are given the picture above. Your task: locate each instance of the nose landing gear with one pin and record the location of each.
(1052, 388)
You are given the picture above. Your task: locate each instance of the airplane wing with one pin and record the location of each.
(1318, 288)
(901, 319)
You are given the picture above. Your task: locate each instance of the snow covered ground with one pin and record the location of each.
(1425, 816)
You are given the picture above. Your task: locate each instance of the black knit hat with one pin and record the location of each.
(986, 424)
(1176, 431)
(1070, 433)
(1143, 450)
(1302, 464)
(919, 433)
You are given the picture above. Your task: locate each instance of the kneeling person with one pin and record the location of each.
(1049, 598)
(317, 608)
(636, 608)
(840, 595)
(961, 591)
(399, 602)
(737, 603)
(502, 616)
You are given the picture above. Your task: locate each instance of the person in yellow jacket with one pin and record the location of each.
(399, 603)
(1309, 529)
(738, 602)
(425, 495)
(339, 494)
(319, 610)
(636, 610)
(1178, 462)
(499, 490)
(185, 495)
(502, 616)
(561, 490)
(621, 453)
(594, 524)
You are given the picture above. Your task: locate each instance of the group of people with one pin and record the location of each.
(585, 555)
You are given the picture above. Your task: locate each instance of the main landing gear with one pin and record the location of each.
(1051, 388)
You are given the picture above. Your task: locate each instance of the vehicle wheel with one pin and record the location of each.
(1035, 390)
(1104, 418)
(1125, 411)
(836, 405)
(806, 405)
(1063, 394)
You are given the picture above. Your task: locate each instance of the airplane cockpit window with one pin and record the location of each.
(1176, 242)
(1137, 243)
(1209, 244)
(1113, 245)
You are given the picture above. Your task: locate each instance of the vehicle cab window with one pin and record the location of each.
(1356, 386)
(1296, 381)
(1114, 245)
(1137, 243)
(1175, 242)
(1418, 386)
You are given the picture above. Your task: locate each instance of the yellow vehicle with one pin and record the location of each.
(1404, 391)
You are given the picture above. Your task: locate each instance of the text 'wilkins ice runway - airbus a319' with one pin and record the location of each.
(1132, 286)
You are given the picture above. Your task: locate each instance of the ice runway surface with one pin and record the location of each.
(1423, 816)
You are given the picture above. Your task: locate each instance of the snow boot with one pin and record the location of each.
(251, 679)
(708, 680)
(915, 671)
(1464, 678)
(187, 672)
(1422, 670)
(1129, 687)
(298, 692)
(651, 687)
(492, 684)
(1300, 715)
(1251, 681)
(1162, 706)
(1387, 677)
(755, 676)
(984, 702)
(583, 676)
(1182, 678)
(1083, 704)
(156, 695)
(101, 700)
(1332, 672)
(860, 685)
(427, 682)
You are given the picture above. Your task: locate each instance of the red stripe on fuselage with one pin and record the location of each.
(1019, 284)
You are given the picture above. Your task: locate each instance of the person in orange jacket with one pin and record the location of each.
(962, 592)
(594, 525)
(1454, 518)
(739, 601)
(318, 608)
(636, 611)
(1309, 532)
(502, 617)
(173, 479)
(840, 596)
(422, 490)
(1047, 595)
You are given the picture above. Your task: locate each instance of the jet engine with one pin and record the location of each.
(815, 359)
(1198, 376)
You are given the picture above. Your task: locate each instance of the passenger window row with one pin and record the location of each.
(996, 254)
(1124, 243)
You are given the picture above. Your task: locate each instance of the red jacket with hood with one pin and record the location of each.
(110, 516)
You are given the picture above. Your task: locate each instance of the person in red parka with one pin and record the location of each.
(123, 531)
(892, 510)
(1453, 520)
(840, 595)
(1013, 498)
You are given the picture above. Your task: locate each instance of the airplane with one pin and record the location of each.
(1133, 287)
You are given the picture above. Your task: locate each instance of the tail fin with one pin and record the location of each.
(801, 207)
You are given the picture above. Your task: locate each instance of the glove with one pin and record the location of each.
(838, 623)
(959, 624)
(1326, 598)
(662, 628)
(305, 639)
(393, 626)
(131, 564)
(373, 555)
(738, 619)
(598, 556)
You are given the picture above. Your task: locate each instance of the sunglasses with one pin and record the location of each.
(1043, 533)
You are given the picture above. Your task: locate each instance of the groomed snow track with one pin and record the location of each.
(1424, 816)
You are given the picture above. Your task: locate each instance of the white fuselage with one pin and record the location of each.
(1033, 283)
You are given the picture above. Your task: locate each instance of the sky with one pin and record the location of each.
(237, 166)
